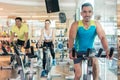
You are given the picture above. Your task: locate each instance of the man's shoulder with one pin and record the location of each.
(24, 24)
(13, 27)
(75, 23)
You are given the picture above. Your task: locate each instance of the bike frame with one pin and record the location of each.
(48, 59)
(87, 70)
(85, 60)
(20, 63)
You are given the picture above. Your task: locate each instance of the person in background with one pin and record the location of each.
(21, 30)
(48, 38)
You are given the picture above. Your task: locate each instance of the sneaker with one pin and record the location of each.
(43, 73)
(54, 62)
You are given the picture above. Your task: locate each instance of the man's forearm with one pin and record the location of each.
(11, 37)
(71, 41)
(26, 38)
(105, 44)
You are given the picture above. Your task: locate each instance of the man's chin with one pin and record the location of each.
(87, 20)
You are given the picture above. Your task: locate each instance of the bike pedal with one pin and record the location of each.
(90, 72)
(118, 73)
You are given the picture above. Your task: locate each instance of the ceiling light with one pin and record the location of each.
(1, 8)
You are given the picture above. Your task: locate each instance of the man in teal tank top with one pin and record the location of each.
(83, 32)
(85, 36)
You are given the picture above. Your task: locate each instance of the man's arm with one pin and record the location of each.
(72, 35)
(102, 37)
(26, 37)
(26, 33)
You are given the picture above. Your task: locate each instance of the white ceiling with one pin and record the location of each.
(37, 9)
(34, 8)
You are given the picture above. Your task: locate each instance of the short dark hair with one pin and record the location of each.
(47, 20)
(18, 18)
(86, 4)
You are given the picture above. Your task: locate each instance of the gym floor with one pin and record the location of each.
(62, 70)
(11, 74)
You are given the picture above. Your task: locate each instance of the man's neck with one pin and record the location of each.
(86, 23)
(19, 26)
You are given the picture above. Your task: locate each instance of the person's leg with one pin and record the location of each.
(19, 43)
(27, 47)
(52, 50)
(95, 69)
(44, 58)
(27, 52)
(43, 73)
(78, 71)
(52, 54)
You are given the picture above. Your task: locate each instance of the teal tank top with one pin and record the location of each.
(85, 37)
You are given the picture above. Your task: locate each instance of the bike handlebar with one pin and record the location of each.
(110, 55)
(15, 48)
(99, 52)
(98, 55)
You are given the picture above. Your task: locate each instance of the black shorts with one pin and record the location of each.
(79, 54)
(21, 43)
(48, 44)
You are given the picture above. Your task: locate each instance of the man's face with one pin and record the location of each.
(18, 22)
(87, 13)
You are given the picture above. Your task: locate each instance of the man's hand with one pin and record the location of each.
(71, 57)
(39, 44)
(25, 44)
(108, 55)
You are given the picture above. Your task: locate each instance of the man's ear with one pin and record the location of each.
(81, 13)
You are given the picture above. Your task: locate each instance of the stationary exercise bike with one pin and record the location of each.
(48, 61)
(21, 69)
(86, 59)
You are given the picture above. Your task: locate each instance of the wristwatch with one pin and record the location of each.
(69, 50)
